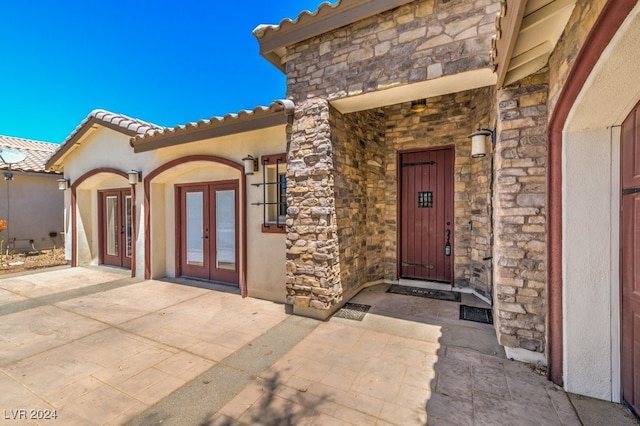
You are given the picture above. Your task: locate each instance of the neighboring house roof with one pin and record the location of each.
(528, 32)
(37, 153)
(118, 122)
(259, 118)
(274, 39)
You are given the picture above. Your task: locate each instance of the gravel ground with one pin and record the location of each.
(33, 260)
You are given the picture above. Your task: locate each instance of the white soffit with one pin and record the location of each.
(424, 89)
(543, 23)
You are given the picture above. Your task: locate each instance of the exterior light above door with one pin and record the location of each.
(250, 164)
(134, 177)
(478, 142)
(63, 184)
(418, 105)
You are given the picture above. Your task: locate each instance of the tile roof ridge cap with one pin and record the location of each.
(114, 115)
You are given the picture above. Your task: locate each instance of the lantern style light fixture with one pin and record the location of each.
(418, 105)
(478, 142)
(250, 165)
(63, 184)
(134, 177)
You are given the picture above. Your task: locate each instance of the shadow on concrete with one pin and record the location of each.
(468, 379)
(273, 409)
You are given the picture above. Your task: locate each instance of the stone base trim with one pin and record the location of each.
(523, 355)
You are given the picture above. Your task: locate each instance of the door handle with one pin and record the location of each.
(447, 245)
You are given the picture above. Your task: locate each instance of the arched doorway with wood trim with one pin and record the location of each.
(195, 220)
(103, 219)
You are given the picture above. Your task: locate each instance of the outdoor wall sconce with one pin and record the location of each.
(250, 165)
(478, 144)
(134, 177)
(63, 184)
(418, 105)
(8, 175)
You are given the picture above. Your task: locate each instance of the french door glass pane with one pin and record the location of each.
(195, 228)
(226, 229)
(112, 225)
(127, 225)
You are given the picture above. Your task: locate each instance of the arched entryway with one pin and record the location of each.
(103, 219)
(195, 210)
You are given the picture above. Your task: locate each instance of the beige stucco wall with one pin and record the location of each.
(106, 148)
(591, 218)
(33, 207)
(265, 252)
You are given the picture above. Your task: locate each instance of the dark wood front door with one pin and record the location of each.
(630, 238)
(208, 231)
(115, 223)
(426, 215)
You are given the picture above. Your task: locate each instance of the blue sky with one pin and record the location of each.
(168, 62)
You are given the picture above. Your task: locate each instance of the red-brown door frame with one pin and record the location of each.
(399, 201)
(611, 17)
(121, 193)
(210, 210)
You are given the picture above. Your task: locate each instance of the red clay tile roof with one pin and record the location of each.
(245, 120)
(118, 122)
(37, 153)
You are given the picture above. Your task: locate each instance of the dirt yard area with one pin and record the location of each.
(18, 262)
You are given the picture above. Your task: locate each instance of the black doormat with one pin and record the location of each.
(353, 311)
(471, 313)
(449, 296)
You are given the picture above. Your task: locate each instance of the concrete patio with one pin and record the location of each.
(93, 346)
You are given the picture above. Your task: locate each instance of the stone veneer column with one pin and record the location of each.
(313, 268)
(520, 218)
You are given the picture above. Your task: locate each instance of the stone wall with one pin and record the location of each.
(349, 236)
(422, 40)
(520, 216)
(313, 263)
(358, 141)
(342, 189)
(482, 115)
(448, 120)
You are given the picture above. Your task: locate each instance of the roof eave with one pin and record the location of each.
(276, 115)
(275, 59)
(69, 144)
(85, 127)
(510, 22)
(31, 171)
(527, 37)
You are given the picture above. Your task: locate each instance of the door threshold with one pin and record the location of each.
(206, 284)
(430, 285)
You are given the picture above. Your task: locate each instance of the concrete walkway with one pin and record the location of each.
(93, 346)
